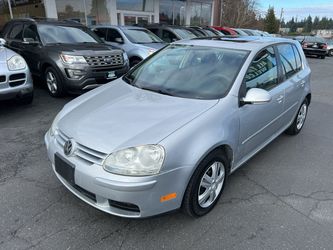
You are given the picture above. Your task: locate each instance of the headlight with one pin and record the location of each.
(69, 59)
(54, 126)
(151, 51)
(137, 161)
(16, 63)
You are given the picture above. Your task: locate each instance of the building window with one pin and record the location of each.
(201, 13)
(72, 10)
(98, 12)
(172, 12)
(136, 5)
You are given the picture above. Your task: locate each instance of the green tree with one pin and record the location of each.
(308, 24)
(271, 23)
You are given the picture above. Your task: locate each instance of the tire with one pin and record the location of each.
(330, 52)
(53, 82)
(26, 99)
(191, 204)
(299, 121)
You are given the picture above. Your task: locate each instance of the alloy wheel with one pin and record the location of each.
(211, 184)
(301, 116)
(51, 82)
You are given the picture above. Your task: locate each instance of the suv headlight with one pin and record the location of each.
(16, 63)
(70, 59)
(136, 161)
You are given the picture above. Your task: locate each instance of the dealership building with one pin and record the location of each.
(117, 12)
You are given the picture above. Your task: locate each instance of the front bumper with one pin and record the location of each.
(125, 196)
(14, 84)
(91, 77)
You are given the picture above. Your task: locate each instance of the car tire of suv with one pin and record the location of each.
(26, 99)
(198, 185)
(330, 53)
(299, 120)
(53, 82)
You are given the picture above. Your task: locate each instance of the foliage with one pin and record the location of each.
(271, 22)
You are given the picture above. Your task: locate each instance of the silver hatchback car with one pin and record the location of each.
(15, 78)
(168, 134)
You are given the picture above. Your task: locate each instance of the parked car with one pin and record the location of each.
(207, 31)
(68, 56)
(225, 30)
(330, 47)
(170, 33)
(168, 133)
(313, 45)
(137, 42)
(240, 32)
(15, 78)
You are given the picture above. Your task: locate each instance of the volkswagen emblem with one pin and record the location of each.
(69, 147)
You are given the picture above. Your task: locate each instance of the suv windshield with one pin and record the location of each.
(141, 36)
(64, 34)
(189, 71)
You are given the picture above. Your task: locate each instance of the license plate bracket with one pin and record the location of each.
(64, 168)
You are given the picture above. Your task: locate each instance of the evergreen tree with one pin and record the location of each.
(271, 23)
(308, 24)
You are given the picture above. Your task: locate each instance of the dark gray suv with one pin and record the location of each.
(65, 54)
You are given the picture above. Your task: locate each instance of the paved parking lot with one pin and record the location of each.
(281, 199)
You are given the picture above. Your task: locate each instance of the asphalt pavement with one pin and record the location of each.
(281, 199)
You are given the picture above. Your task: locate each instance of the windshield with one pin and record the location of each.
(189, 71)
(64, 34)
(141, 36)
(184, 34)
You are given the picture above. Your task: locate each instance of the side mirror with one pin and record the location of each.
(119, 40)
(256, 96)
(2, 42)
(30, 41)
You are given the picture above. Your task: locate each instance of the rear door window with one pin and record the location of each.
(263, 71)
(298, 58)
(288, 60)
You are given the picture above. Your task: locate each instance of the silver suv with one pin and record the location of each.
(15, 78)
(137, 42)
(168, 134)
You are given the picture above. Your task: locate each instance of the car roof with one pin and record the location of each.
(71, 23)
(122, 27)
(242, 43)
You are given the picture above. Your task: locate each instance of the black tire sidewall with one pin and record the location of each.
(192, 192)
(59, 91)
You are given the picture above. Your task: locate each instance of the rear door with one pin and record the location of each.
(260, 122)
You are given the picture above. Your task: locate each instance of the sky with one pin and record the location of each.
(299, 8)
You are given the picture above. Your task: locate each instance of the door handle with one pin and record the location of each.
(280, 98)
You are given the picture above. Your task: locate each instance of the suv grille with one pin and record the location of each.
(16, 79)
(82, 152)
(102, 61)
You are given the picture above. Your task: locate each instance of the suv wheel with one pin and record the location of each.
(330, 53)
(299, 121)
(206, 185)
(53, 82)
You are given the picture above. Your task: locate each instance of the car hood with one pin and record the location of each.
(156, 46)
(122, 116)
(81, 49)
(5, 54)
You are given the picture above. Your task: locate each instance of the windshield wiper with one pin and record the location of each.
(160, 91)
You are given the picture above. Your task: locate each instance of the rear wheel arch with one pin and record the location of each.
(308, 98)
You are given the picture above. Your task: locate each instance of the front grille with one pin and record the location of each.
(105, 60)
(86, 193)
(16, 79)
(2, 79)
(124, 206)
(82, 152)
